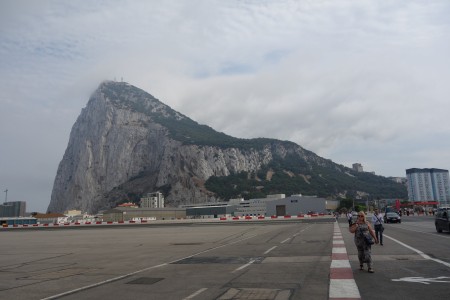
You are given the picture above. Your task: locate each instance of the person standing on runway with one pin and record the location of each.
(377, 221)
(349, 217)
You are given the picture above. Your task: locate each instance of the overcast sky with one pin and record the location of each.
(353, 81)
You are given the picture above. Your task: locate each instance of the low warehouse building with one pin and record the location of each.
(298, 204)
(11, 221)
(208, 212)
(129, 213)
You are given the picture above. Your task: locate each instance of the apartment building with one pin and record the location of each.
(153, 200)
(13, 209)
(428, 185)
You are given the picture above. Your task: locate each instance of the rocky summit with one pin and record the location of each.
(126, 143)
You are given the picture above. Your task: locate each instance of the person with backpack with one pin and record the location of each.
(377, 221)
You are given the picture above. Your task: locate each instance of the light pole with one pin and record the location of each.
(6, 195)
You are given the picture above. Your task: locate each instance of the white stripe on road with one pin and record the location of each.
(419, 252)
(101, 283)
(285, 240)
(344, 288)
(338, 250)
(340, 263)
(270, 249)
(341, 288)
(195, 294)
(244, 266)
(142, 270)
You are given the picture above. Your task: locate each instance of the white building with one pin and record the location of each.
(153, 200)
(298, 204)
(428, 185)
(401, 180)
(255, 207)
(72, 212)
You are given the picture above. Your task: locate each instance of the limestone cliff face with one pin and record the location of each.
(125, 144)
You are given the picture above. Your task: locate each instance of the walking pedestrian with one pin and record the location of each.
(350, 218)
(363, 241)
(377, 221)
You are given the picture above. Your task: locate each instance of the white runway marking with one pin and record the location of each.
(344, 288)
(285, 240)
(339, 250)
(244, 266)
(270, 249)
(342, 283)
(140, 271)
(419, 252)
(195, 294)
(340, 263)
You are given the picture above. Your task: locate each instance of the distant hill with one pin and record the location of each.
(127, 143)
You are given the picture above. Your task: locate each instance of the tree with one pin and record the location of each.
(346, 203)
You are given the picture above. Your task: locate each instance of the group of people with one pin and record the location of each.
(366, 235)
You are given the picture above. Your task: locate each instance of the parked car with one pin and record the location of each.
(442, 221)
(392, 217)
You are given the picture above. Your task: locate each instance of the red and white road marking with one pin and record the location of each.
(342, 283)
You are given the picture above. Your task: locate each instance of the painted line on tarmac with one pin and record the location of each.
(195, 294)
(101, 283)
(342, 283)
(419, 252)
(140, 271)
(307, 227)
(270, 249)
(244, 266)
(295, 234)
(285, 240)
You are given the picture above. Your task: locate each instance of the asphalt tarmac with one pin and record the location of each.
(285, 259)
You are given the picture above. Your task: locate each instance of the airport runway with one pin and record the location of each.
(289, 259)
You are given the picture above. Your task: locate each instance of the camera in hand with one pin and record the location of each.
(354, 219)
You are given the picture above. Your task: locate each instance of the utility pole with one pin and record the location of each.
(6, 195)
